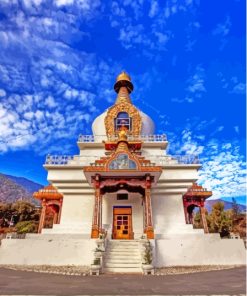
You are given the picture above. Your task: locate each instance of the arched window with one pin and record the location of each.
(123, 120)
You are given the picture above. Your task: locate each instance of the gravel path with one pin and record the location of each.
(84, 270)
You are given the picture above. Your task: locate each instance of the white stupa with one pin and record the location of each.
(124, 185)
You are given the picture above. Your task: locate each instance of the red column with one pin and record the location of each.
(60, 211)
(97, 209)
(185, 213)
(149, 230)
(42, 216)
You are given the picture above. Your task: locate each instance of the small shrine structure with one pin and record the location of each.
(52, 200)
(195, 197)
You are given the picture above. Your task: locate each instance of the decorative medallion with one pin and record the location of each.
(133, 113)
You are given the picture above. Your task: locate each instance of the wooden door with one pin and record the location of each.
(122, 223)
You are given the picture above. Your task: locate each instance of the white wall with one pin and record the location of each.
(47, 251)
(168, 215)
(77, 209)
(195, 250)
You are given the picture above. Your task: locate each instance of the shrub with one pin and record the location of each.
(26, 226)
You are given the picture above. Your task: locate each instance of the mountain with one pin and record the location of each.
(29, 185)
(17, 188)
(228, 205)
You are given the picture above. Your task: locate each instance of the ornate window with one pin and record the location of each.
(123, 120)
(122, 162)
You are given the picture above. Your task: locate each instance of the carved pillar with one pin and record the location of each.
(97, 208)
(185, 212)
(149, 230)
(42, 216)
(144, 212)
(204, 220)
(100, 213)
(59, 211)
(55, 216)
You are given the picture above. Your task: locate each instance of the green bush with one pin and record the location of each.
(26, 226)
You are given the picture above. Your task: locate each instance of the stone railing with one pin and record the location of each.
(58, 159)
(100, 138)
(174, 159)
(79, 160)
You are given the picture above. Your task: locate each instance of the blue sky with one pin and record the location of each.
(59, 60)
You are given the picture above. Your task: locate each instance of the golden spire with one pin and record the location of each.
(123, 88)
(122, 141)
(122, 135)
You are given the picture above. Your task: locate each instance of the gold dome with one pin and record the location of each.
(123, 76)
(124, 80)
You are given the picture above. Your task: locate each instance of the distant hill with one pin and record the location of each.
(29, 185)
(17, 188)
(228, 205)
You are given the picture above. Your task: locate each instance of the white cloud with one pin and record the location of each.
(223, 166)
(2, 93)
(223, 28)
(195, 86)
(50, 102)
(153, 9)
(196, 82)
(63, 2)
(239, 88)
(223, 171)
(236, 128)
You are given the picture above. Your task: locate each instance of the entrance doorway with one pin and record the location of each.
(122, 223)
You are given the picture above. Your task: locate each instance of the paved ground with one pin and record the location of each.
(223, 282)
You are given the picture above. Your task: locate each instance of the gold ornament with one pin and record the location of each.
(133, 113)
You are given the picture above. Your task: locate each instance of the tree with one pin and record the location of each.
(235, 209)
(10, 214)
(219, 220)
(25, 211)
(197, 220)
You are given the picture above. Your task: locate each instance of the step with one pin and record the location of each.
(124, 242)
(119, 256)
(122, 265)
(122, 270)
(122, 250)
(122, 257)
(123, 247)
(116, 263)
(122, 260)
(122, 254)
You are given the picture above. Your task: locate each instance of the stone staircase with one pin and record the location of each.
(122, 256)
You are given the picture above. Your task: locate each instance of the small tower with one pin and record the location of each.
(50, 199)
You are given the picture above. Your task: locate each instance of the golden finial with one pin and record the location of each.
(123, 76)
(124, 80)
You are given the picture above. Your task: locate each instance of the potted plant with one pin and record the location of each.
(147, 259)
(98, 252)
(95, 267)
(101, 241)
(143, 242)
(143, 238)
